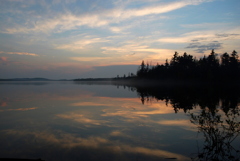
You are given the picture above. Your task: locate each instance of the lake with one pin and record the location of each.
(101, 121)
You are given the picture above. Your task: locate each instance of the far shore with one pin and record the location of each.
(133, 81)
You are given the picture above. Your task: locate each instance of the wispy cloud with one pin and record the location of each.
(188, 37)
(136, 52)
(119, 29)
(203, 25)
(114, 32)
(125, 48)
(127, 54)
(80, 44)
(201, 48)
(90, 59)
(68, 20)
(133, 45)
(202, 41)
(19, 53)
(123, 14)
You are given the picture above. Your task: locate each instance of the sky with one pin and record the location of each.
(67, 39)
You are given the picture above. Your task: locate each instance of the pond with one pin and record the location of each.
(101, 121)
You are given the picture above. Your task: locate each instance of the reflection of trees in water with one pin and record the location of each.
(217, 120)
(186, 97)
(219, 132)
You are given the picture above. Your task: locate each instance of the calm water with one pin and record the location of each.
(69, 121)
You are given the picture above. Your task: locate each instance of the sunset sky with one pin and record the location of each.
(69, 39)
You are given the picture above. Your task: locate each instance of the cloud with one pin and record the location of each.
(113, 60)
(120, 29)
(104, 17)
(136, 52)
(58, 24)
(19, 53)
(201, 48)
(205, 40)
(112, 71)
(92, 59)
(188, 37)
(62, 1)
(203, 36)
(138, 49)
(156, 9)
(228, 36)
(203, 25)
(125, 48)
(80, 44)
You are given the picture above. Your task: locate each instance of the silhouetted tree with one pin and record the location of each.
(185, 67)
(225, 60)
(142, 70)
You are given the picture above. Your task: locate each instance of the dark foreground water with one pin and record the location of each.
(73, 121)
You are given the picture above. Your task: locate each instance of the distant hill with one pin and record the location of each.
(26, 79)
(93, 79)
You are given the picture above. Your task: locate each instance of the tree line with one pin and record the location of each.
(182, 67)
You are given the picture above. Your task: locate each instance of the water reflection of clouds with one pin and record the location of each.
(123, 107)
(107, 101)
(19, 109)
(132, 108)
(80, 118)
(127, 110)
(89, 104)
(3, 103)
(119, 133)
(186, 124)
(66, 141)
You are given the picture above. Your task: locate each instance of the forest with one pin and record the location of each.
(213, 67)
